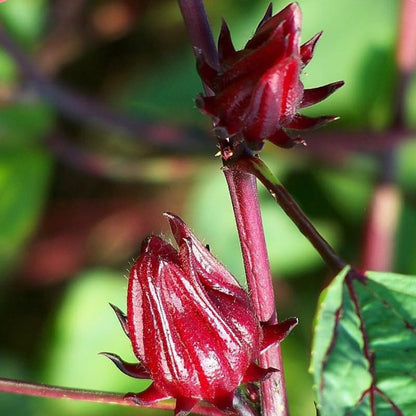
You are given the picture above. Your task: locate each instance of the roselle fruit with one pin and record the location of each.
(192, 326)
(257, 91)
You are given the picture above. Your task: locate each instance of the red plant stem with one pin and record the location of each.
(44, 390)
(199, 30)
(244, 197)
(243, 191)
(406, 50)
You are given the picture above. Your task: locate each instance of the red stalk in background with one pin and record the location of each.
(384, 209)
(406, 51)
(53, 392)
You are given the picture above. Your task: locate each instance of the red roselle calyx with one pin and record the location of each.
(257, 90)
(191, 325)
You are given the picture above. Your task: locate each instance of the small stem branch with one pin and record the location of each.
(44, 390)
(256, 166)
(243, 192)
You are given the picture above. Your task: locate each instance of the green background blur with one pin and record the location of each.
(77, 198)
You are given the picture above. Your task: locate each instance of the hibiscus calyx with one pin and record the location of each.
(256, 91)
(192, 326)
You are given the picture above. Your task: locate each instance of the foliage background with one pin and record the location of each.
(79, 192)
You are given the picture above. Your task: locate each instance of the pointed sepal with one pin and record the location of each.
(282, 139)
(131, 369)
(225, 44)
(266, 17)
(273, 334)
(225, 403)
(316, 95)
(256, 373)
(147, 397)
(122, 318)
(307, 49)
(301, 122)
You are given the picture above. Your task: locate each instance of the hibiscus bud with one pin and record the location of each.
(257, 90)
(192, 327)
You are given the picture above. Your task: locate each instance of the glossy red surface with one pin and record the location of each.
(257, 90)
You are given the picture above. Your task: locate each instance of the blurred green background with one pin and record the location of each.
(78, 193)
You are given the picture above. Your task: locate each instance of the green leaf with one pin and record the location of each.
(364, 350)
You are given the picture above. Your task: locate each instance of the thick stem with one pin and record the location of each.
(44, 390)
(199, 30)
(243, 191)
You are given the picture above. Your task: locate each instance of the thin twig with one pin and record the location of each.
(255, 166)
(44, 390)
(199, 30)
